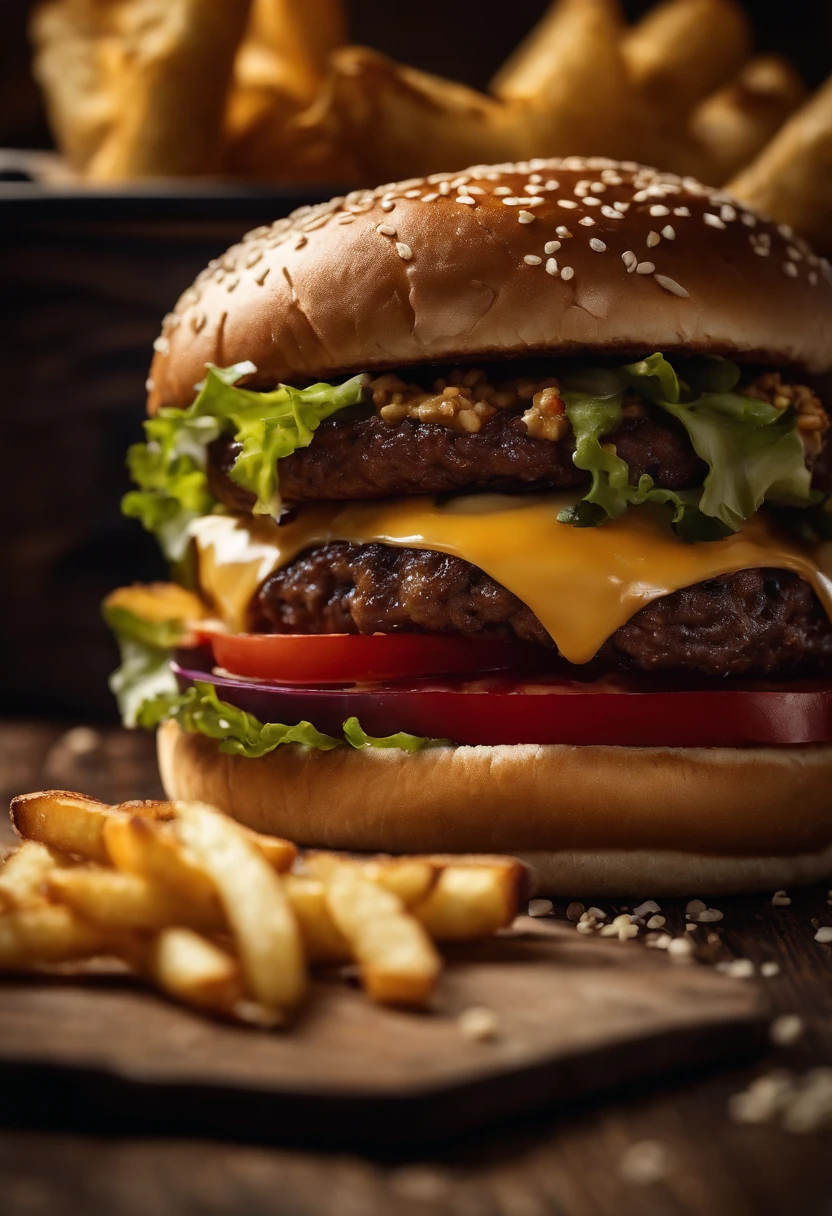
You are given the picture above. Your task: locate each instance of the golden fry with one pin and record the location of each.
(399, 963)
(737, 122)
(194, 971)
(470, 901)
(24, 872)
(683, 50)
(791, 179)
(139, 846)
(49, 934)
(117, 900)
(322, 940)
(71, 823)
(254, 900)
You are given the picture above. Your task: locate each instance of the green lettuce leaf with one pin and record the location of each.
(611, 493)
(357, 737)
(200, 710)
(169, 469)
(753, 450)
(144, 685)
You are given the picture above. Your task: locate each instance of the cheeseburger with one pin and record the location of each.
(496, 504)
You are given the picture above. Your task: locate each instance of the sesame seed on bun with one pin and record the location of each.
(549, 257)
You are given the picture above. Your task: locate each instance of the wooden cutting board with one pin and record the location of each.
(576, 1015)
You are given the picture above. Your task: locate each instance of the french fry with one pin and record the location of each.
(254, 900)
(322, 940)
(791, 179)
(410, 878)
(71, 823)
(396, 121)
(116, 900)
(50, 934)
(399, 964)
(24, 872)
(734, 124)
(75, 67)
(139, 846)
(194, 971)
(470, 901)
(570, 78)
(683, 50)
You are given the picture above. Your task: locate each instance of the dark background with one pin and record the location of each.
(84, 283)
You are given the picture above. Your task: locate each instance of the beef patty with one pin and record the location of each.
(372, 459)
(757, 623)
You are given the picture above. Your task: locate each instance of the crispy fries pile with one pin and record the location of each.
(269, 90)
(228, 920)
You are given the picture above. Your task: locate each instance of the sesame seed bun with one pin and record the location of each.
(550, 257)
(589, 820)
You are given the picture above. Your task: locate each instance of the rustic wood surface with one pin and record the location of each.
(566, 1162)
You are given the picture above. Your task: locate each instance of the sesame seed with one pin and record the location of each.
(551, 247)
(645, 268)
(462, 180)
(790, 269)
(526, 217)
(444, 187)
(387, 204)
(568, 203)
(659, 209)
(728, 213)
(592, 201)
(785, 231)
(813, 278)
(563, 233)
(630, 260)
(501, 190)
(552, 266)
(761, 250)
(479, 1024)
(346, 218)
(669, 233)
(619, 206)
(748, 219)
(653, 238)
(531, 259)
(681, 211)
(587, 221)
(386, 229)
(713, 221)
(597, 245)
(597, 187)
(552, 184)
(567, 272)
(466, 198)
(794, 254)
(533, 200)
(473, 189)
(428, 198)
(535, 178)
(611, 214)
(404, 251)
(511, 201)
(161, 345)
(412, 193)
(671, 285)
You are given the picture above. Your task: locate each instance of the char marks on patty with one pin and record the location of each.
(756, 624)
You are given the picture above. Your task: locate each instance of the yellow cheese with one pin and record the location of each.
(581, 583)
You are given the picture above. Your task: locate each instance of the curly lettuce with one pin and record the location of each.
(169, 469)
(753, 450)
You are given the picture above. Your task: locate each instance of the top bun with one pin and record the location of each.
(549, 257)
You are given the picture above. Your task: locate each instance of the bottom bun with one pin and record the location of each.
(589, 820)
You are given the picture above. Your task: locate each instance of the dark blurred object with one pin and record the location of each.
(85, 280)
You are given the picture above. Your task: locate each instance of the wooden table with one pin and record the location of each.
(563, 1163)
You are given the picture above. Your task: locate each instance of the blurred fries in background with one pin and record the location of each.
(270, 91)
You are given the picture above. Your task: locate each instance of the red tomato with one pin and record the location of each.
(500, 709)
(345, 658)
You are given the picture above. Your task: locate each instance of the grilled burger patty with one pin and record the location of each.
(757, 623)
(372, 459)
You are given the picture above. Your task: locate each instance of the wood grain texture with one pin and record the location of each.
(564, 1163)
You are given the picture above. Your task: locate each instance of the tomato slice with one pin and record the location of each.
(502, 709)
(346, 658)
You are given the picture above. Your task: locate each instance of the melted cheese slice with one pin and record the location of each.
(581, 583)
